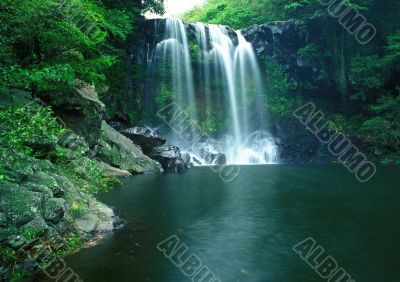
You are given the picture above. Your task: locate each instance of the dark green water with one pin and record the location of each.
(245, 230)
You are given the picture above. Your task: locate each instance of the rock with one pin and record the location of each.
(197, 161)
(35, 207)
(53, 210)
(76, 144)
(218, 159)
(16, 241)
(212, 158)
(297, 145)
(36, 228)
(21, 206)
(144, 137)
(118, 151)
(97, 218)
(118, 125)
(49, 181)
(110, 171)
(187, 159)
(170, 158)
(35, 187)
(281, 42)
(80, 110)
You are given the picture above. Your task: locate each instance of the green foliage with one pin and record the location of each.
(277, 80)
(3, 174)
(23, 127)
(368, 75)
(18, 274)
(7, 255)
(384, 128)
(311, 51)
(47, 44)
(74, 242)
(393, 50)
(212, 124)
(279, 104)
(29, 234)
(87, 174)
(164, 96)
(232, 13)
(76, 210)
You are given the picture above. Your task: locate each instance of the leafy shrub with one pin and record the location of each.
(309, 52)
(277, 80)
(278, 103)
(164, 96)
(27, 125)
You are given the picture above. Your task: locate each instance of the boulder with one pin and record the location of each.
(212, 158)
(53, 210)
(79, 110)
(109, 171)
(187, 159)
(97, 217)
(42, 178)
(21, 206)
(144, 137)
(218, 159)
(170, 158)
(118, 151)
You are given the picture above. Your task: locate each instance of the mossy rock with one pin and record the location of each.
(118, 151)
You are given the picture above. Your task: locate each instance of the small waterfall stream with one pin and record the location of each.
(226, 85)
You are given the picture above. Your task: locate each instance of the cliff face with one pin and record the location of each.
(282, 42)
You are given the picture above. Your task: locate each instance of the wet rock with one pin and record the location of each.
(196, 161)
(213, 158)
(170, 158)
(187, 159)
(218, 159)
(144, 137)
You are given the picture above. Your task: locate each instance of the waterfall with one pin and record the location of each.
(175, 47)
(224, 83)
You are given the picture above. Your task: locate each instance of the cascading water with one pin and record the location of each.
(226, 83)
(175, 47)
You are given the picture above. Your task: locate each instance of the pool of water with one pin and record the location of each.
(245, 230)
